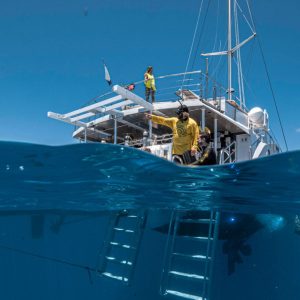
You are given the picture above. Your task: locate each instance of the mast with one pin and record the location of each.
(229, 52)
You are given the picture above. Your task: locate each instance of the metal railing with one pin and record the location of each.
(146, 141)
(227, 155)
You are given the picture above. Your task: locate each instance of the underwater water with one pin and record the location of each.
(236, 225)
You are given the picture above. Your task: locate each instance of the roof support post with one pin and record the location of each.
(206, 79)
(202, 119)
(150, 130)
(215, 135)
(115, 129)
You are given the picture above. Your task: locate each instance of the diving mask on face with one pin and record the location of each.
(180, 112)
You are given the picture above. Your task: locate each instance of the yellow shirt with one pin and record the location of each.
(185, 133)
(149, 81)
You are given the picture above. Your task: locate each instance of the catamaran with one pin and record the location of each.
(238, 134)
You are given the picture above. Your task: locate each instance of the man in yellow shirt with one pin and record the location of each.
(185, 131)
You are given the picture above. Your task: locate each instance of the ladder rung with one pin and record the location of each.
(192, 256)
(121, 278)
(124, 230)
(123, 262)
(184, 295)
(200, 238)
(188, 275)
(195, 221)
(122, 245)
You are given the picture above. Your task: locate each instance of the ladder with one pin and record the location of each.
(120, 248)
(189, 254)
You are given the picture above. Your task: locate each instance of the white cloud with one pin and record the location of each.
(298, 130)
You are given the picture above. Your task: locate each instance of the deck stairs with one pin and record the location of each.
(118, 257)
(189, 255)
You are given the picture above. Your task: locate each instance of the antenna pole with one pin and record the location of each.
(229, 52)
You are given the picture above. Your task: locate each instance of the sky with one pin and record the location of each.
(51, 57)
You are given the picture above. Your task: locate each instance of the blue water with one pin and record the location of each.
(56, 204)
(100, 177)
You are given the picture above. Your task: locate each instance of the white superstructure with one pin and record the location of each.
(236, 134)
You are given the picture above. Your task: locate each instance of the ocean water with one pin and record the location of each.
(58, 206)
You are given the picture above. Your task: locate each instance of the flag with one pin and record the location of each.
(130, 87)
(107, 76)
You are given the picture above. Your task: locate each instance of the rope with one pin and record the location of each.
(93, 100)
(216, 33)
(74, 265)
(219, 68)
(239, 61)
(201, 33)
(172, 75)
(269, 79)
(250, 57)
(275, 138)
(272, 91)
(191, 49)
(251, 18)
(252, 29)
(267, 71)
(217, 25)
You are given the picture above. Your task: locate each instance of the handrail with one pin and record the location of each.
(230, 154)
(162, 139)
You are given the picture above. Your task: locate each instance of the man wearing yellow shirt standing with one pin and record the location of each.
(185, 131)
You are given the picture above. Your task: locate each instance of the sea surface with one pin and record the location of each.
(57, 204)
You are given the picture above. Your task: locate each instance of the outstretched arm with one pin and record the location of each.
(161, 120)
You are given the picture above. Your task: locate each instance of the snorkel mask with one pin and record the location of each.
(181, 109)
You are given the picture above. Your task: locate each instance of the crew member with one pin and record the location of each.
(185, 132)
(206, 154)
(149, 81)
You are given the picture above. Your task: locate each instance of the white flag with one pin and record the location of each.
(107, 76)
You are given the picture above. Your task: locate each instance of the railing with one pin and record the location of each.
(145, 141)
(268, 139)
(227, 155)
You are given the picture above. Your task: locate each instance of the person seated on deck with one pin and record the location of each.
(185, 132)
(207, 155)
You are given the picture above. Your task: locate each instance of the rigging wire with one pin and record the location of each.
(94, 100)
(201, 33)
(221, 62)
(191, 49)
(269, 79)
(246, 73)
(250, 58)
(250, 14)
(216, 33)
(252, 28)
(272, 91)
(217, 25)
(275, 138)
(239, 60)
